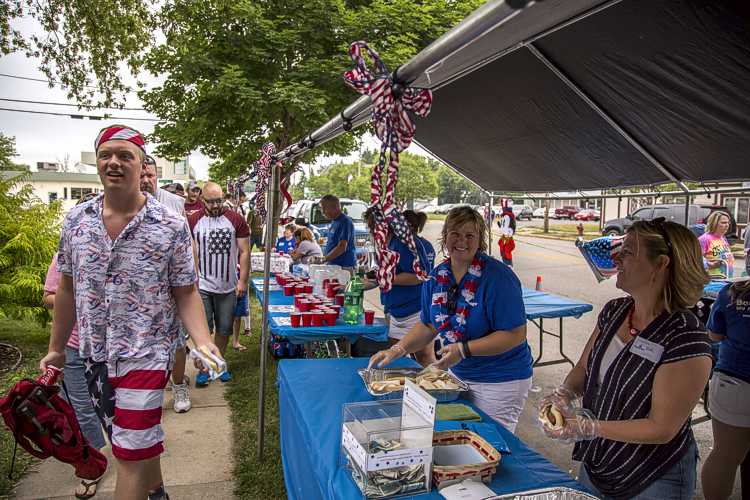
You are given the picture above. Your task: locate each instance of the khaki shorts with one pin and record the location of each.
(729, 400)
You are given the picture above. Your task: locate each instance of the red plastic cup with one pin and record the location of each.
(369, 317)
(330, 317)
(308, 288)
(330, 292)
(339, 299)
(317, 318)
(288, 290)
(299, 288)
(306, 318)
(304, 305)
(295, 317)
(336, 309)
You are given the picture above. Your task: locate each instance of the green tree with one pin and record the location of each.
(237, 74)
(7, 152)
(454, 188)
(84, 43)
(29, 233)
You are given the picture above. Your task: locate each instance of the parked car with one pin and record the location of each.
(429, 209)
(539, 213)
(566, 212)
(672, 212)
(446, 207)
(588, 214)
(523, 212)
(309, 212)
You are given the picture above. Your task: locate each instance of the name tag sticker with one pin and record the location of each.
(647, 349)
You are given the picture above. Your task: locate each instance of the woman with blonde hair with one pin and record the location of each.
(729, 391)
(641, 373)
(474, 305)
(306, 248)
(717, 254)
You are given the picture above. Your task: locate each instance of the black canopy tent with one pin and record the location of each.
(631, 92)
(577, 94)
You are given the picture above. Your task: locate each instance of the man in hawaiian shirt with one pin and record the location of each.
(128, 277)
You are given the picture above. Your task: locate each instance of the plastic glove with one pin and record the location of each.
(561, 398)
(578, 424)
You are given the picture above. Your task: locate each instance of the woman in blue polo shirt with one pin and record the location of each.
(402, 303)
(417, 221)
(474, 305)
(729, 390)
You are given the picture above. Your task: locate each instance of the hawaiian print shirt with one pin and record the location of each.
(122, 288)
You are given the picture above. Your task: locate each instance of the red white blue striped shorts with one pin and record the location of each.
(128, 395)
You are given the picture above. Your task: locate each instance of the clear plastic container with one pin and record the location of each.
(387, 447)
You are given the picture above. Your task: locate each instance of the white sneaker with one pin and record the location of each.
(181, 398)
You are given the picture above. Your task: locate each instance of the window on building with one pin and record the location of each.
(52, 196)
(78, 193)
(65, 193)
(180, 167)
(743, 210)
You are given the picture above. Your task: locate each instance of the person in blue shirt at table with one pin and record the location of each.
(729, 390)
(474, 305)
(417, 221)
(402, 304)
(286, 243)
(339, 248)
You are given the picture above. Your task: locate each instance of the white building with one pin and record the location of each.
(67, 187)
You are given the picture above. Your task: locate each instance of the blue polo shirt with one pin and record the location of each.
(499, 306)
(342, 229)
(285, 245)
(402, 301)
(428, 250)
(732, 320)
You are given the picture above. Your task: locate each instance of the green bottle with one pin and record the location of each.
(353, 298)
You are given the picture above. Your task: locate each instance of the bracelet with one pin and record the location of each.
(399, 347)
(461, 350)
(466, 350)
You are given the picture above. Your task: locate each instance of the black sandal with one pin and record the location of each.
(88, 485)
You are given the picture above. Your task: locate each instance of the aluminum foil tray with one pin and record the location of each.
(547, 494)
(375, 375)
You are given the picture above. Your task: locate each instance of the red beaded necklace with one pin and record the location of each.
(633, 331)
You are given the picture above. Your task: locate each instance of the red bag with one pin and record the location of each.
(45, 425)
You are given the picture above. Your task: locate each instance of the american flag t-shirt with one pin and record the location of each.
(216, 240)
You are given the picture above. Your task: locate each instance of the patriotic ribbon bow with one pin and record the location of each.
(262, 176)
(391, 103)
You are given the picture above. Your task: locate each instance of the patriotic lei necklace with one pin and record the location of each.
(452, 327)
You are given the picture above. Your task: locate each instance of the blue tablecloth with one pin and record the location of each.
(546, 305)
(378, 331)
(712, 289)
(312, 393)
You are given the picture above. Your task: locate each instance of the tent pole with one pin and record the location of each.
(489, 223)
(607, 118)
(271, 223)
(480, 22)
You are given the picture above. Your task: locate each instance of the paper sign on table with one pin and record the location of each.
(281, 308)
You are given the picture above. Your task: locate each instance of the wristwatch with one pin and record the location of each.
(467, 351)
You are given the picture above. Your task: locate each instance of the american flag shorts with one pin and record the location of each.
(127, 396)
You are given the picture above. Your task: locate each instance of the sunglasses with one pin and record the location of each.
(659, 224)
(452, 302)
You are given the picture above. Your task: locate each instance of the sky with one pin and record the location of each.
(43, 138)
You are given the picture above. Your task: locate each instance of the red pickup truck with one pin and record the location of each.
(567, 212)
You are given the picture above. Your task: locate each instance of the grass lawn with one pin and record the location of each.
(254, 479)
(32, 339)
(436, 216)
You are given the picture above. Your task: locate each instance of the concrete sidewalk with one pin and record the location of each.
(197, 463)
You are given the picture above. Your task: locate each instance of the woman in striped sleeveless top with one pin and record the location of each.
(642, 372)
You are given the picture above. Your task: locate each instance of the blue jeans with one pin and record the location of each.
(80, 399)
(219, 311)
(678, 483)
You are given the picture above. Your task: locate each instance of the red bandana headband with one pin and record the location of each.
(122, 133)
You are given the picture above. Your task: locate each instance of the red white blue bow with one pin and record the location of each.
(262, 176)
(390, 106)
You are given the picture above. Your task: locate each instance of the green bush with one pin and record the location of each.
(29, 234)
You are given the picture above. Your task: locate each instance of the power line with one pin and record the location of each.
(65, 104)
(80, 117)
(43, 80)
